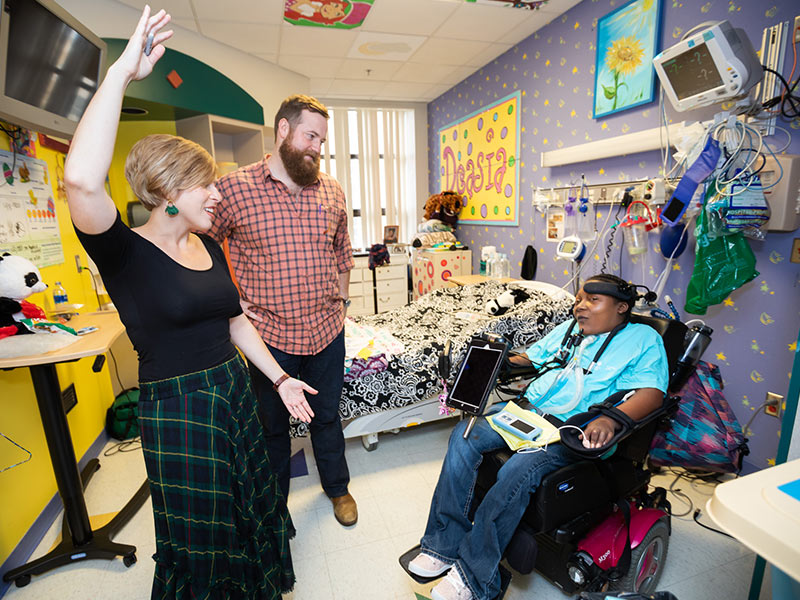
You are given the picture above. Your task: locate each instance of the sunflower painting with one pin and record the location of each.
(626, 45)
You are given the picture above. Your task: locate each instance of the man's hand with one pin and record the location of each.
(599, 432)
(247, 309)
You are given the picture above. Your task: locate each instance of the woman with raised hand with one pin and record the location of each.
(222, 526)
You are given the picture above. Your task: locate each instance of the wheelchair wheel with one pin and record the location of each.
(647, 561)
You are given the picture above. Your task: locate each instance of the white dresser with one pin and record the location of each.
(380, 290)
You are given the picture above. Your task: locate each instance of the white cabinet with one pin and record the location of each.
(232, 143)
(361, 295)
(380, 290)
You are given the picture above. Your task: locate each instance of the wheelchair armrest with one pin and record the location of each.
(569, 436)
(513, 372)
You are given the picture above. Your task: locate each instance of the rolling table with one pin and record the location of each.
(762, 510)
(78, 541)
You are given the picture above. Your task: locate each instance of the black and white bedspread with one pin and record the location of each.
(424, 326)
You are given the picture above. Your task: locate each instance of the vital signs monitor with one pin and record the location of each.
(714, 65)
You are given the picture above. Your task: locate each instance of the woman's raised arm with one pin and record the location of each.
(92, 147)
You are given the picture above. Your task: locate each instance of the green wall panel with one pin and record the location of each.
(204, 89)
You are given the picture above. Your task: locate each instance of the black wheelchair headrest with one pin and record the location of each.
(672, 332)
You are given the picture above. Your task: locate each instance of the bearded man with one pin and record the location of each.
(286, 226)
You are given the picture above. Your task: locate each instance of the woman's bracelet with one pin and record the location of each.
(279, 381)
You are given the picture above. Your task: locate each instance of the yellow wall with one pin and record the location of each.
(26, 490)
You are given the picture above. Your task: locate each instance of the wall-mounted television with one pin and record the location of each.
(50, 66)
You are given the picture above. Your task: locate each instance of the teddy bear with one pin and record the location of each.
(19, 278)
(444, 207)
(500, 305)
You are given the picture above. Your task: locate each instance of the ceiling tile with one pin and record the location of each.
(315, 41)
(311, 66)
(436, 91)
(319, 86)
(242, 11)
(354, 88)
(488, 55)
(395, 90)
(385, 46)
(269, 57)
(535, 22)
(380, 70)
(247, 37)
(419, 17)
(189, 24)
(424, 73)
(178, 9)
(480, 22)
(441, 51)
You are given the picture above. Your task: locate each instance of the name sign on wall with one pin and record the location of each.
(478, 159)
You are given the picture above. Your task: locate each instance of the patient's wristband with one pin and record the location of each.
(279, 381)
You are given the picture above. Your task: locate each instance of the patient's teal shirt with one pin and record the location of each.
(634, 359)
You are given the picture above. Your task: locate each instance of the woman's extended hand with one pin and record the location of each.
(133, 61)
(599, 432)
(292, 394)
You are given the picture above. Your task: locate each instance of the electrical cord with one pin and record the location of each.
(130, 445)
(704, 526)
(783, 100)
(22, 462)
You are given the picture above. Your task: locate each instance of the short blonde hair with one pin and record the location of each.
(159, 166)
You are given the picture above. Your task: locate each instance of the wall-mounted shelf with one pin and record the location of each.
(229, 141)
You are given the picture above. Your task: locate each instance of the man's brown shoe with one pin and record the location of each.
(345, 510)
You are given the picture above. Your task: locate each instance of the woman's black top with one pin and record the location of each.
(176, 317)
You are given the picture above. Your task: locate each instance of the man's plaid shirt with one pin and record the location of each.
(287, 254)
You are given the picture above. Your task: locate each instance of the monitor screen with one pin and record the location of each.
(569, 247)
(692, 72)
(476, 377)
(49, 65)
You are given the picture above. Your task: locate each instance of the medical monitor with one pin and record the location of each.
(50, 66)
(712, 66)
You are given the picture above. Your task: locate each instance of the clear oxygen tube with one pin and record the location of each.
(573, 368)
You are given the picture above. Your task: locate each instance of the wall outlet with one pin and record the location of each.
(773, 405)
(78, 263)
(796, 29)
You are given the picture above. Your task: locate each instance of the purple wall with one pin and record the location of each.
(756, 328)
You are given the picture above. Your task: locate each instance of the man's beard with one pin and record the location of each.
(303, 172)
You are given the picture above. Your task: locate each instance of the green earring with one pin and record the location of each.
(171, 209)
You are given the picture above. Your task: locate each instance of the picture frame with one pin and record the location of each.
(390, 234)
(627, 42)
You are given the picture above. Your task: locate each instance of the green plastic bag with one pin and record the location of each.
(721, 265)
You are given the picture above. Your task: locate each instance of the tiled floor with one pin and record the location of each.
(393, 487)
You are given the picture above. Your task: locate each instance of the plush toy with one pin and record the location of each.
(19, 278)
(444, 207)
(501, 304)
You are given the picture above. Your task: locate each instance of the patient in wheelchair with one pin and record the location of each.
(580, 363)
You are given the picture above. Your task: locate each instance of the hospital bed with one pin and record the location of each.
(405, 393)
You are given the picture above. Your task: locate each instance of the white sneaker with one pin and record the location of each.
(426, 565)
(452, 587)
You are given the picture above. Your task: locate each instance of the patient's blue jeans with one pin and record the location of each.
(476, 548)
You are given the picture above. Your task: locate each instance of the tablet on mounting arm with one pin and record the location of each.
(477, 376)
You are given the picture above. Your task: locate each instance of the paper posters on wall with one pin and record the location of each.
(28, 220)
(478, 158)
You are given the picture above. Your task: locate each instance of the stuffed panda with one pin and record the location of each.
(501, 304)
(19, 278)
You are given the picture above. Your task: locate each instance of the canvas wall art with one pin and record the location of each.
(626, 44)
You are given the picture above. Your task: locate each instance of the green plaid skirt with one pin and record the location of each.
(222, 527)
